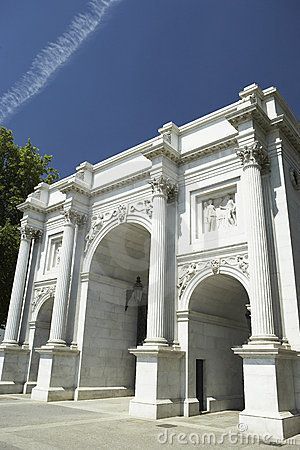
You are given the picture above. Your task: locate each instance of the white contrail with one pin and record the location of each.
(53, 56)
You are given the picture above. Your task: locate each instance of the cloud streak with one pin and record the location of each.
(50, 59)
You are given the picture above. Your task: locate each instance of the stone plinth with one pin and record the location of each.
(13, 368)
(56, 375)
(270, 406)
(158, 388)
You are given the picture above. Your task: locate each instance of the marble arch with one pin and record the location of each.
(219, 198)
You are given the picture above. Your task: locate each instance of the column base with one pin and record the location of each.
(191, 407)
(281, 426)
(159, 409)
(28, 386)
(270, 402)
(156, 341)
(56, 374)
(90, 393)
(13, 368)
(158, 386)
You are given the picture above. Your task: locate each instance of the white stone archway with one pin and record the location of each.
(118, 254)
(212, 318)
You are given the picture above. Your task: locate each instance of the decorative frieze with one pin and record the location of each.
(144, 206)
(118, 213)
(40, 294)
(188, 271)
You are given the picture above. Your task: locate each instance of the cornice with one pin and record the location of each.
(250, 112)
(75, 185)
(284, 124)
(162, 148)
(121, 182)
(220, 144)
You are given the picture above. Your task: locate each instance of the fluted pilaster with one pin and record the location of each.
(16, 301)
(61, 296)
(161, 189)
(254, 160)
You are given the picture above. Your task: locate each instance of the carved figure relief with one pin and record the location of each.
(219, 213)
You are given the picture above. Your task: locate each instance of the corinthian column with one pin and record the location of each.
(255, 159)
(61, 296)
(16, 301)
(161, 189)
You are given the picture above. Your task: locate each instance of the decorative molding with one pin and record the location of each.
(40, 294)
(143, 206)
(188, 271)
(254, 154)
(144, 174)
(163, 148)
(118, 213)
(197, 153)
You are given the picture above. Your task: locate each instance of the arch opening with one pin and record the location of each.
(218, 320)
(116, 311)
(40, 331)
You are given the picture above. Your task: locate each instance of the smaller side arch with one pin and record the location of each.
(184, 302)
(36, 306)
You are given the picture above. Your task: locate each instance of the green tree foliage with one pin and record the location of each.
(21, 169)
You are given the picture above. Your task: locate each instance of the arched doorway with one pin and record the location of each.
(116, 310)
(218, 320)
(38, 336)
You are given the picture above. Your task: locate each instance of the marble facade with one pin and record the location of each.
(169, 272)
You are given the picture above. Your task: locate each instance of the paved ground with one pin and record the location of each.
(105, 424)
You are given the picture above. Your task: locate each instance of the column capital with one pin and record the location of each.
(28, 232)
(72, 217)
(164, 187)
(254, 155)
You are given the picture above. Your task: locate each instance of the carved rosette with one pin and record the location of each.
(72, 217)
(254, 154)
(40, 293)
(30, 233)
(188, 271)
(163, 186)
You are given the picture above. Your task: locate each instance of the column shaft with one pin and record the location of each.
(254, 158)
(57, 330)
(15, 306)
(155, 319)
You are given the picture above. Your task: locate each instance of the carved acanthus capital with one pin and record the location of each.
(254, 154)
(163, 186)
(30, 232)
(72, 217)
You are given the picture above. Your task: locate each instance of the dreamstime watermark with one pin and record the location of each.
(239, 437)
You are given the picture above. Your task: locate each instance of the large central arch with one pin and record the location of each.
(115, 316)
(215, 319)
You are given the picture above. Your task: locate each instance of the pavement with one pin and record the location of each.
(105, 424)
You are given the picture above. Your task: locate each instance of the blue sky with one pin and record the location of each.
(149, 62)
